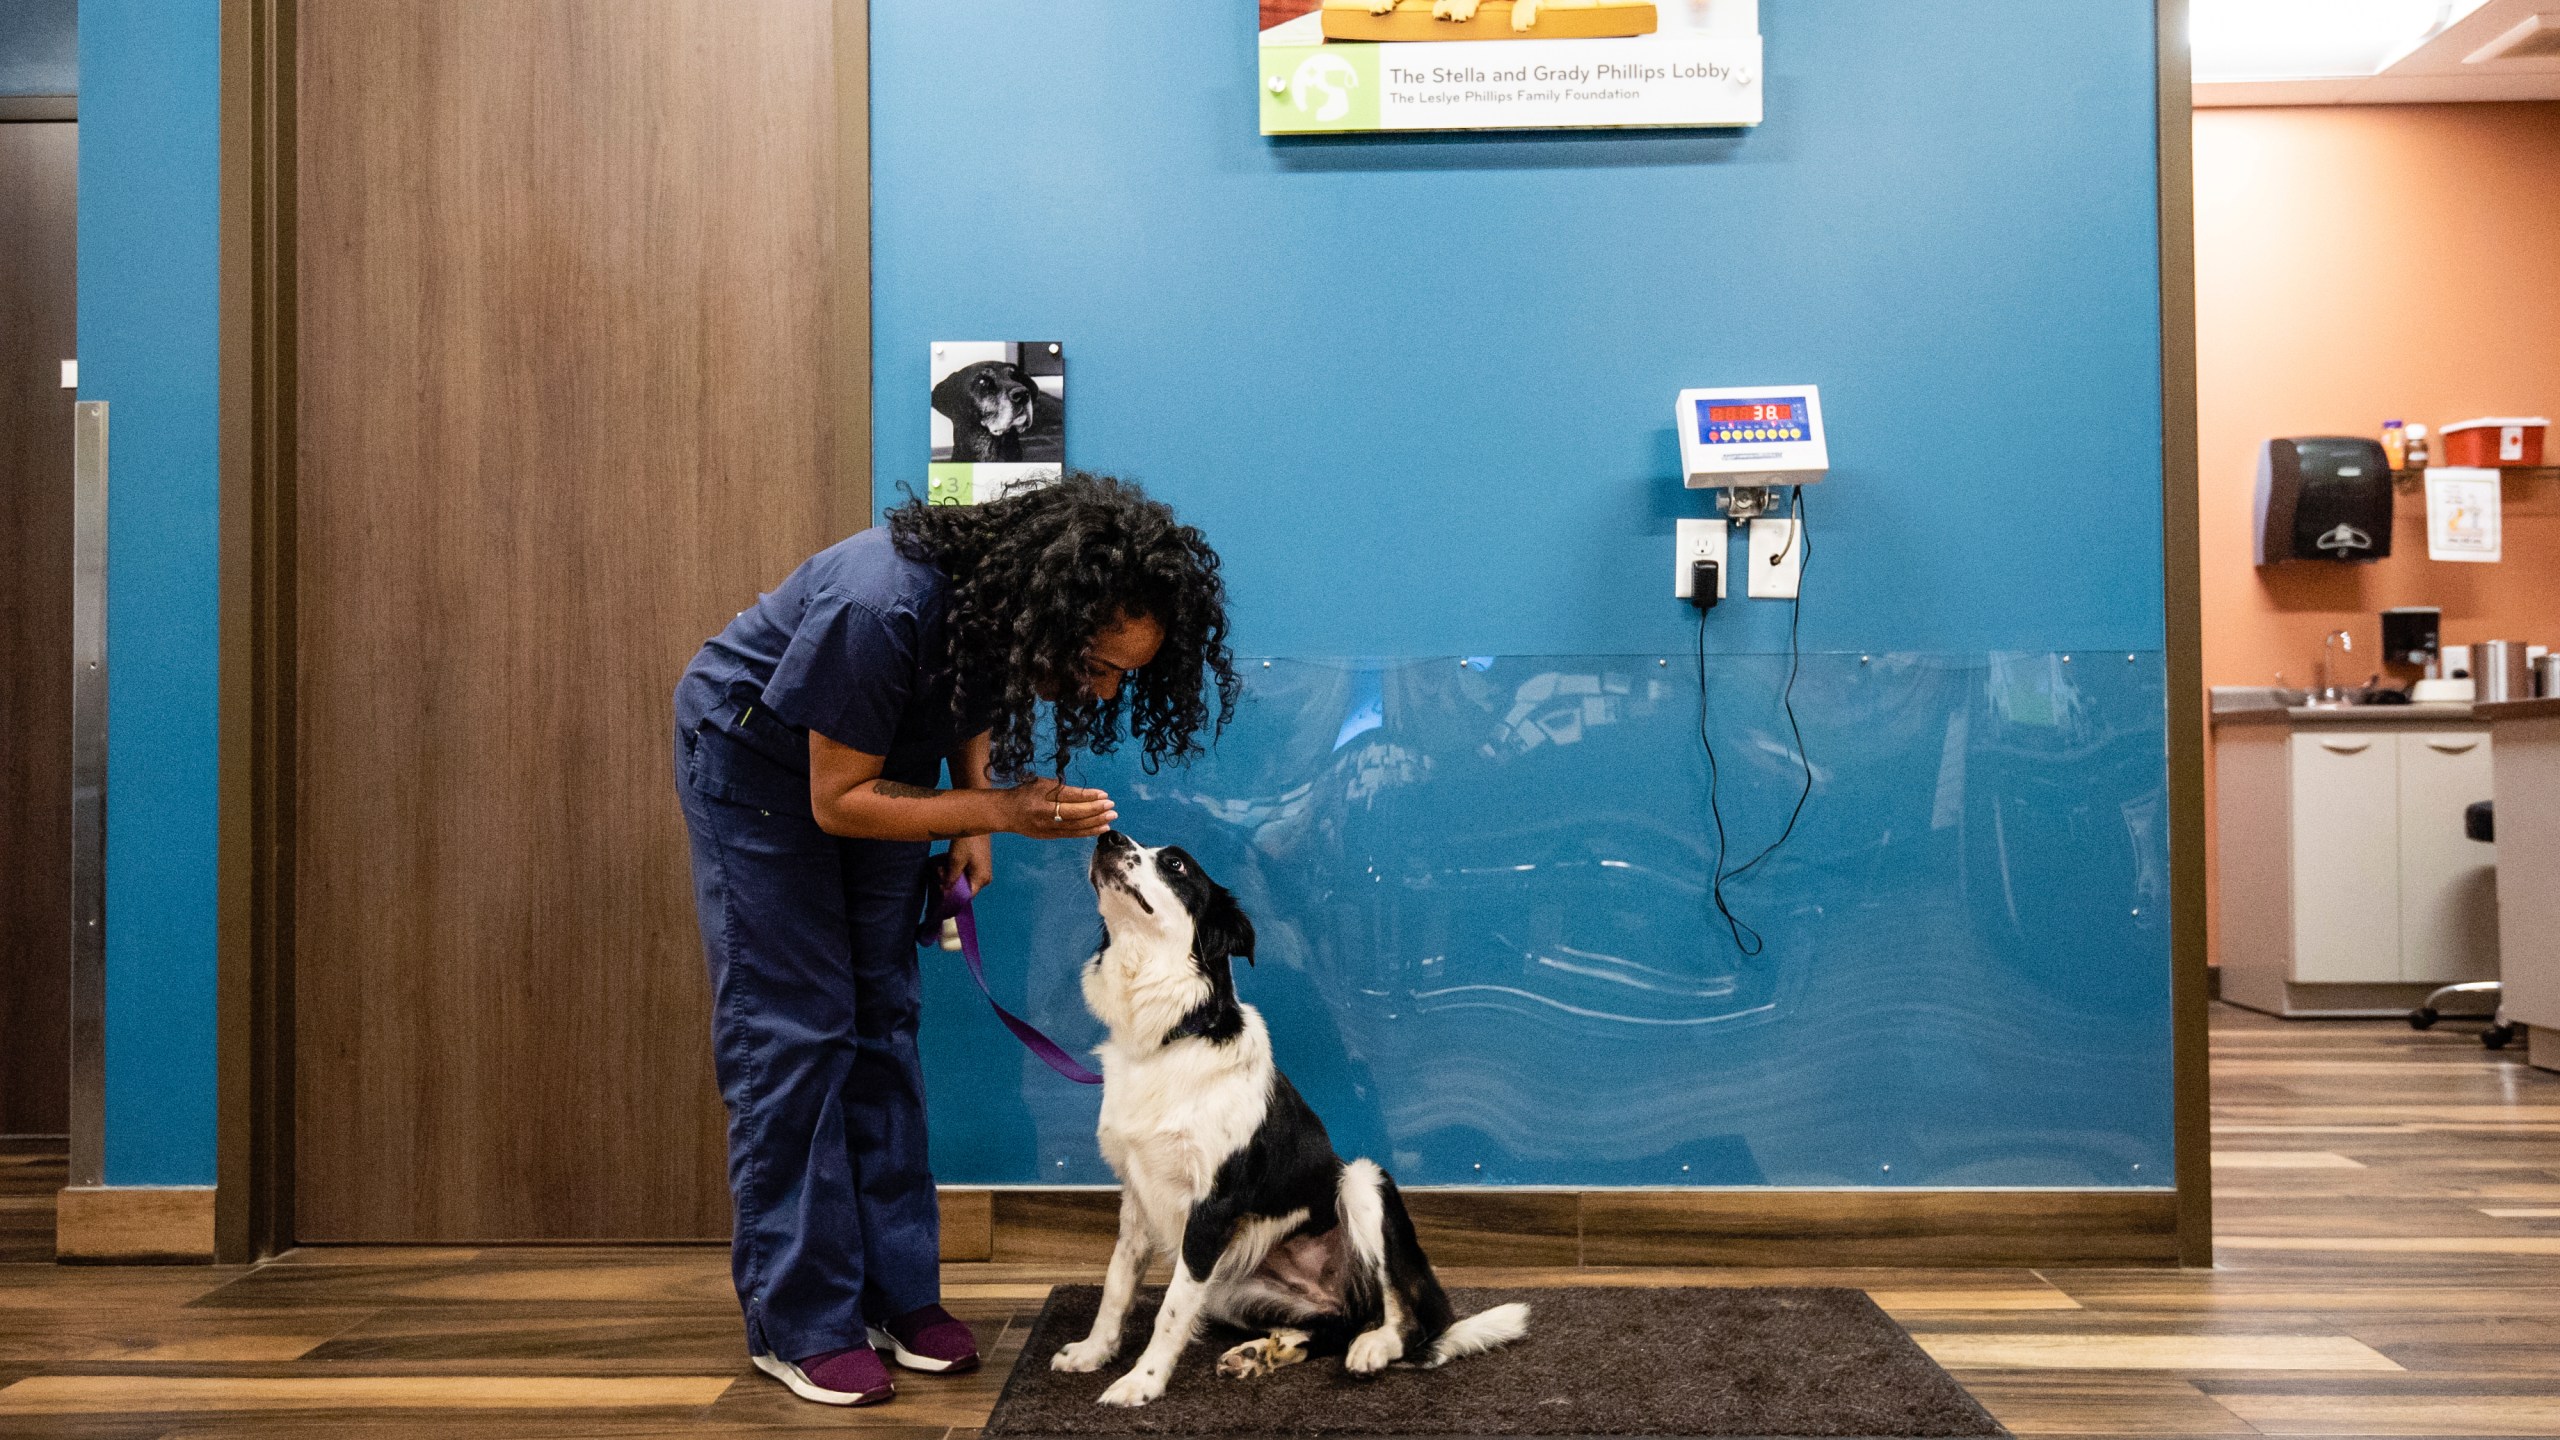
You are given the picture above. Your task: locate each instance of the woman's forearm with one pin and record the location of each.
(848, 796)
(883, 809)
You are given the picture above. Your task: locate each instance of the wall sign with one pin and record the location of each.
(2462, 514)
(1338, 67)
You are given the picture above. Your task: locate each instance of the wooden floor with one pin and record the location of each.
(2389, 1265)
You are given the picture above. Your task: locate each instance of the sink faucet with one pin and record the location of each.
(2324, 688)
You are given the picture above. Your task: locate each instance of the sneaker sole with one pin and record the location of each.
(910, 1360)
(799, 1383)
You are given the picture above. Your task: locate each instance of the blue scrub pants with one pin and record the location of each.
(812, 949)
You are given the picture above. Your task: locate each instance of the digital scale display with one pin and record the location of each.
(1742, 422)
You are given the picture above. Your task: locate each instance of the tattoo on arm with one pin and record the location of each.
(901, 790)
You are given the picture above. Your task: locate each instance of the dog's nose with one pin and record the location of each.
(1114, 840)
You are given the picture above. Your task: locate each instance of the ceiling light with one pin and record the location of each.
(2238, 40)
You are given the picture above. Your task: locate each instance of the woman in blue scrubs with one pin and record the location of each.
(812, 737)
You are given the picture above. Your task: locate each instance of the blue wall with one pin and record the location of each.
(40, 47)
(1433, 377)
(149, 241)
(1418, 392)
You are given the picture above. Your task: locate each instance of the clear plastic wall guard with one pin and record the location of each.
(1489, 953)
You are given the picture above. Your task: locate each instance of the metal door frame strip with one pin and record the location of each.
(88, 937)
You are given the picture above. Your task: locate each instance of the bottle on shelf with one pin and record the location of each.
(2416, 443)
(2395, 444)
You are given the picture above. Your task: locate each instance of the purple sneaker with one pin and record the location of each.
(837, 1377)
(928, 1340)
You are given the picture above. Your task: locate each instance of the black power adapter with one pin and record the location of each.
(1702, 583)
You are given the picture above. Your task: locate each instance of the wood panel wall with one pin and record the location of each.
(39, 189)
(567, 366)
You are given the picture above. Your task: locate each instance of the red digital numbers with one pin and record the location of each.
(1777, 413)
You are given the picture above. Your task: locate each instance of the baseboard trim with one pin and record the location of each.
(134, 1224)
(39, 107)
(1754, 1228)
(2375, 1000)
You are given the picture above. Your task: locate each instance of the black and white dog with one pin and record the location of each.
(1224, 1168)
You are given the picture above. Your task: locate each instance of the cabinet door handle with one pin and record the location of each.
(2452, 747)
(2344, 747)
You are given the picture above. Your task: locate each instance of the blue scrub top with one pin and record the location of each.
(851, 646)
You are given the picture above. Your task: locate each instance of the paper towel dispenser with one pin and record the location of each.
(2323, 497)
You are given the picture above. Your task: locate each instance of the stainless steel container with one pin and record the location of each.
(2546, 676)
(2498, 672)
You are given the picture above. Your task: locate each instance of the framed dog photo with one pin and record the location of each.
(999, 418)
(1344, 67)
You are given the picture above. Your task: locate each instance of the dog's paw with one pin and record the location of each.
(1374, 1350)
(1524, 14)
(1263, 1356)
(1133, 1390)
(1083, 1357)
(1461, 11)
(1382, 7)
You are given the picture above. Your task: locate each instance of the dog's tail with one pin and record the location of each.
(1485, 1330)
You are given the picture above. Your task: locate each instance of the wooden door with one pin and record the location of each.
(39, 186)
(568, 376)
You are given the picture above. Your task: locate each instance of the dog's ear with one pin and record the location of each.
(1223, 929)
(951, 397)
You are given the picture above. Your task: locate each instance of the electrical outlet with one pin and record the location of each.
(1694, 540)
(1777, 561)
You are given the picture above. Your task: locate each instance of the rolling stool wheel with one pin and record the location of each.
(2498, 1037)
(2426, 1015)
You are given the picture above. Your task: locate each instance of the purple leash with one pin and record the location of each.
(953, 904)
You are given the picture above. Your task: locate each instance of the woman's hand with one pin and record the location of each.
(1048, 810)
(973, 856)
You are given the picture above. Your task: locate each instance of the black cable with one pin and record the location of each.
(1746, 939)
(1795, 663)
(1715, 809)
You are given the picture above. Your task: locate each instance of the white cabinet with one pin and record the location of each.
(2448, 881)
(2346, 857)
(2346, 884)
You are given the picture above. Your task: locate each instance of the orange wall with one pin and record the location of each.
(2323, 309)
(2356, 264)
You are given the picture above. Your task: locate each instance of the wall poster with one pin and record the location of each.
(2462, 515)
(999, 418)
(1339, 67)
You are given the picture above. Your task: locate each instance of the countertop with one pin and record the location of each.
(2257, 705)
(2399, 717)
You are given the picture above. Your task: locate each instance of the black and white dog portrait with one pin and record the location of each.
(999, 403)
(1226, 1170)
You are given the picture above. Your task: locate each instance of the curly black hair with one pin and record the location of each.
(1036, 576)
